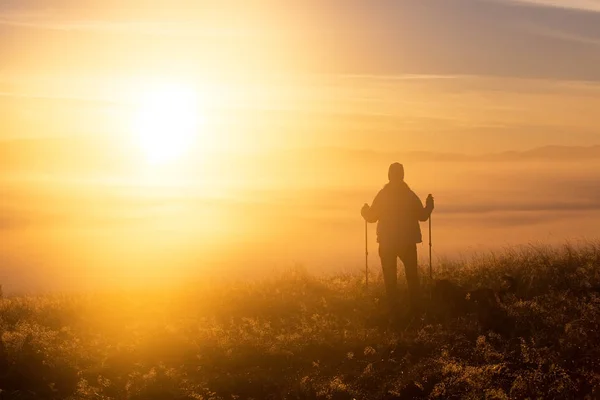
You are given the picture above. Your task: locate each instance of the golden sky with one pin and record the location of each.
(413, 68)
(218, 131)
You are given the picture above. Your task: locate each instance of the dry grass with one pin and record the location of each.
(303, 337)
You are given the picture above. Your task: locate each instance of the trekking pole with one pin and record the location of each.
(430, 259)
(366, 255)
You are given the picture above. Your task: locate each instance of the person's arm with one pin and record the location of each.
(371, 213)
(423, 213)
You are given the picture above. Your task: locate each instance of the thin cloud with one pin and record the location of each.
(141, 27)
(562, 35)
(67, 99)
(402, 77)
(549, 206)
(585, 5)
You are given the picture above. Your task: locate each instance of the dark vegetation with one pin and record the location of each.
(303, 337)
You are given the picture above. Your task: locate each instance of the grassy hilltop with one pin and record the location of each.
(304, 337)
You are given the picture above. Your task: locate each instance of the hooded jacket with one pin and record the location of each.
(398, 210)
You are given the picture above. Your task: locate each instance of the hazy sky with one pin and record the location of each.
(303, 105)
(492, 59)
(537, 39)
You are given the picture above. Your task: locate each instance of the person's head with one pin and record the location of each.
(396, 173)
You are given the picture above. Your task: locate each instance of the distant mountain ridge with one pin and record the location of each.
(106, 154)
(545, 153)
(554, 152)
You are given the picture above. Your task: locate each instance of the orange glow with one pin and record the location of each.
(193, 135)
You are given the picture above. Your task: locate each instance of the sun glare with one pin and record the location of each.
(166, 122)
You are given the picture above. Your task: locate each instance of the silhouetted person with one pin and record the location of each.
(398, 210)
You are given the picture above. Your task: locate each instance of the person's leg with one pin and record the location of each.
(389, 264)
(408, 255)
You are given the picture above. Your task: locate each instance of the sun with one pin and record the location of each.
(166, 122)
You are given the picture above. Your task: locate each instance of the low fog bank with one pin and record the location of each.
(58, 234)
